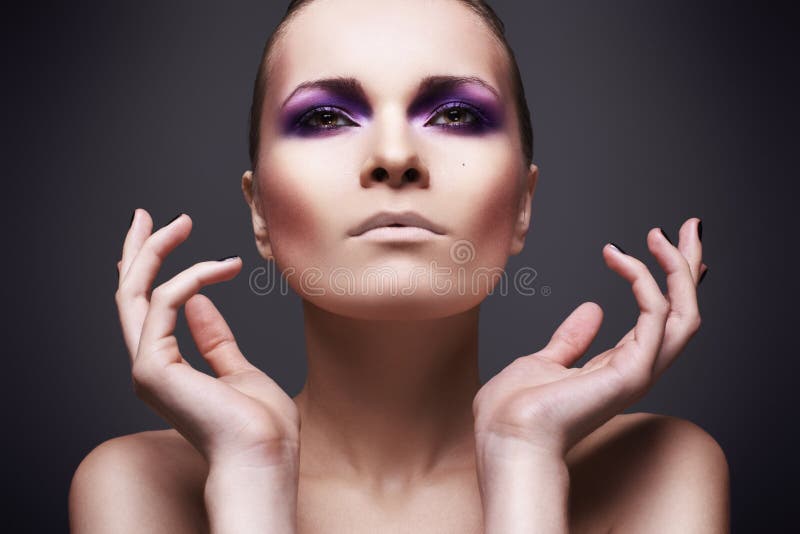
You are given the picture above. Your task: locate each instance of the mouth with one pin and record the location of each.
(405, 222)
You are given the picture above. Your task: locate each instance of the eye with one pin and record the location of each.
(457, 115)
(324, 118)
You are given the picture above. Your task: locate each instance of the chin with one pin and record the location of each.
(422, 304)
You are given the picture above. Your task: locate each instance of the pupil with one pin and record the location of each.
(327, 117)
(454, 114)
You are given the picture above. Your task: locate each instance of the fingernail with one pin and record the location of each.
(700, 281)
(616, 246)
(700, 231)
(665, 235)
(175, 218)
(133, 216)
(227, 258)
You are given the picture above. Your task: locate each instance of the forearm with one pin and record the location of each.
(523, 491)
(252, 499)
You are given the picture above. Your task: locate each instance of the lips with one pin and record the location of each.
(386, 218)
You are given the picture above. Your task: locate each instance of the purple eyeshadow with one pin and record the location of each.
(352, 105)
(305, 101)
(489, 110)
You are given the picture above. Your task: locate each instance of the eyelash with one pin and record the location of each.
(479, 118)
(302, 122)
(479, 121)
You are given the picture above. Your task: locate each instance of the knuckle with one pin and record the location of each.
(639, 266)
(160, 294)
(519, 360)
(694, 323)
(663, 306)
(122, 293)
(141, 376)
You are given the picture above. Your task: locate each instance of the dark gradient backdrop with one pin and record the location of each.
(644, 113)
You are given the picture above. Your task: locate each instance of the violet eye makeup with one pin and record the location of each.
(321, 119)
(444, 103)
(459, 116)
(311, 111)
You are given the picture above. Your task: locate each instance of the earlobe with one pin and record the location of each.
(259, 223)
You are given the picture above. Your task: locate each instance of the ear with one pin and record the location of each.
(259, 224)
(524, 211)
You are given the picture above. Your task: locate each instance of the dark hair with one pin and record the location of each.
(480, 7)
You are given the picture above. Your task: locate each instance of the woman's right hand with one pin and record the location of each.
(242, 417)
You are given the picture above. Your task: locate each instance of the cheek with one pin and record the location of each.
(305, 199)
(289, 213)
(489, 194)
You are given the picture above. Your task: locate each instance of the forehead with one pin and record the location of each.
(389, 45)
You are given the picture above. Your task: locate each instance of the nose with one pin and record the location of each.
(394, 159)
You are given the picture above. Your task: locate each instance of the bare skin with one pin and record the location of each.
(153, 481)
(387, 441)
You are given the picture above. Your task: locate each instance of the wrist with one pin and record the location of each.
(524, 487)
(496, 446)
(244, 494)
(278, 453)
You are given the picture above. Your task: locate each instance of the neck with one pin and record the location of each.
(388, 401)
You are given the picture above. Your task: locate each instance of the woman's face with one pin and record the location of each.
(394, 135)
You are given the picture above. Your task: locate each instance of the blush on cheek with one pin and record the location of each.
(289, 220)
(495, 215)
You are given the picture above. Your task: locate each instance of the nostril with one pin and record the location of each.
(380, 174)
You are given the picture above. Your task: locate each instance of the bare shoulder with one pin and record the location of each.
(642, 471)
(144, 482)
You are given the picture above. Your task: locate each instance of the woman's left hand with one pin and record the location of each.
(543, 404)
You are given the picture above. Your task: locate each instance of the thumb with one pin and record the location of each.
(213, 337)
(573, 337)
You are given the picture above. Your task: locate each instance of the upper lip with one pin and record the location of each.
(386, 218)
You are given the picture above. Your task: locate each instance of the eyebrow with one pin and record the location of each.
(430, 85)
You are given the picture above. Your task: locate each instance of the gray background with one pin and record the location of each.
(644, 113)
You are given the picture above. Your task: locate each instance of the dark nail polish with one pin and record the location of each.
(226, 258)
(618, 247)
(702, 276)
(175, 218)
(665, 235)
(132, 217)
(700, 231)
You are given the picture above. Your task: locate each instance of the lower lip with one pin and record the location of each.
(398, 233)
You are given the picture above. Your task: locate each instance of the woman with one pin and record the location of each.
(394, 135)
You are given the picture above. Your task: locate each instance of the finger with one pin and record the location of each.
(140, 229)
(134, 287)
(691, 249)
(573, 337)
(683, 318)
(636, 358)
(157, 345)
(213, 337)
(690, 246)
(150, 254)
